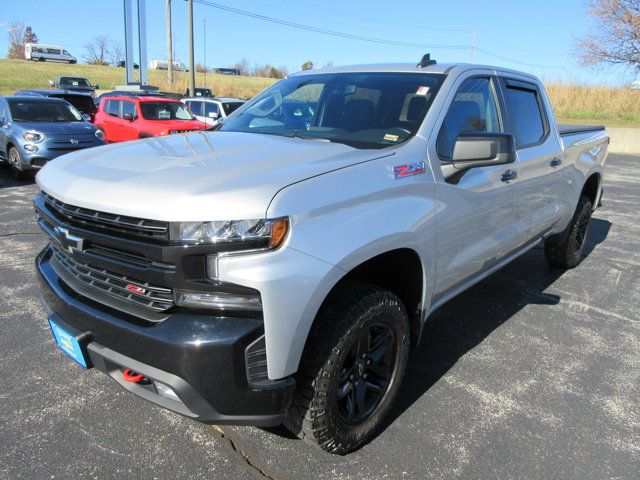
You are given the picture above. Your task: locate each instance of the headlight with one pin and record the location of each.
(33, 137)
(219, 300)
(100, 134)
(253, 234)
(30, 148)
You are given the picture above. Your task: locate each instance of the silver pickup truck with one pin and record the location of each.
(279, 269)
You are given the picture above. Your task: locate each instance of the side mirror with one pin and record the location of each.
(96, 86)
(51, 83)
(482, 149)
(87, 118)
(214, 115)
(128, 116)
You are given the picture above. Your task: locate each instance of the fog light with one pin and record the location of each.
(166, 391)
(219, 300)
(30, 148)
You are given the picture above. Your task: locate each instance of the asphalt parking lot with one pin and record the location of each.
(533, 373)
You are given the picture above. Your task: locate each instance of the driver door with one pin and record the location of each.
(476, 217)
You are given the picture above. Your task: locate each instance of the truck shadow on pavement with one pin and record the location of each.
(465, 321)
(7, 181)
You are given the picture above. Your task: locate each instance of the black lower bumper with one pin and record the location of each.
(201, 358)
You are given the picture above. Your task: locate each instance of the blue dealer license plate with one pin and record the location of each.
(69, 344)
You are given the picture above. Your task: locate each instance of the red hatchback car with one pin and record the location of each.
(130, 118)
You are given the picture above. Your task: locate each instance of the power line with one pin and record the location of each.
(328, 32)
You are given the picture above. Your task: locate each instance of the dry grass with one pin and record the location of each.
(597, 104)
(571, 102)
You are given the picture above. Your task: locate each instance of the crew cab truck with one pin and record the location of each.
(277, 271)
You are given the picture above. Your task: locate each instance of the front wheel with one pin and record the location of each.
(351, 369)
(15, 164)
(566, 249)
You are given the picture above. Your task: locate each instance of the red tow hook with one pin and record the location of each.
(130, 376)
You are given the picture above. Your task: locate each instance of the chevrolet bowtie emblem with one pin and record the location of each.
(67, 241)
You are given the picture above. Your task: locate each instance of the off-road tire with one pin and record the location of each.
(355, 311)
(566, 249)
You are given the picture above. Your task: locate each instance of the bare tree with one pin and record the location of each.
(29, 35)
(116, 53)
(616, 38)
(16, 40)
(243, 66)
(308, 65)
(97, 50)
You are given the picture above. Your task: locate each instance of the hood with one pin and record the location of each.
(58, 128)
(71, 88)
(193, 177)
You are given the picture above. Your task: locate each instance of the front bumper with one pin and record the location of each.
(46, 151)
(201, 357)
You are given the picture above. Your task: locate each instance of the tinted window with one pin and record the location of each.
(38, 111)
(211, 108)
(112, 107)
(165, 111)
(473, 110)
(364, 110)
(231, 107)
(84, 103)
(526, 116)
(128, 107)
(53, 50)
(3, 113)
(196, 107)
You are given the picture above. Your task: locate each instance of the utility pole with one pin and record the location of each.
(204, 48)
(192, 61)
(169, 45)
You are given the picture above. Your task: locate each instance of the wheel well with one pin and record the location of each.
(398, 271)
(591, 187)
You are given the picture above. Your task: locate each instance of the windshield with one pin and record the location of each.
(165, 111)
(83, 103)
(74, 81)
(43, 111)
(230, 107)
(365, 110)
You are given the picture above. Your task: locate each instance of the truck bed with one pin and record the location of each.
(568, 129)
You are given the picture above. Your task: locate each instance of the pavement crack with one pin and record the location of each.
(241, 451)
(13, 234)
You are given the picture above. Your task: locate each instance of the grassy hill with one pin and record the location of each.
(572, 103)
(19, 74)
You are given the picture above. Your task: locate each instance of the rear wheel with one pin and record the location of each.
(352, 368)
(15, 164)
(566, 249)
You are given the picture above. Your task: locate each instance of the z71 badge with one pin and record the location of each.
(415, 168)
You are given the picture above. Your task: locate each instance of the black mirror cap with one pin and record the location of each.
(481, 149)
(128, 116)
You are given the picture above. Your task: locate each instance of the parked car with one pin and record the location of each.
(123, 64)
(211, 110)
(128, 93)
(35, 130)
(75, 84)
(267, 273)
(51, 53)
(83, 102)
(128, 118)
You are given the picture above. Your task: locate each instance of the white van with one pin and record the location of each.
(51, 53)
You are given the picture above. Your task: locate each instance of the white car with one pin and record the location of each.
(211, 110)
(51, 53)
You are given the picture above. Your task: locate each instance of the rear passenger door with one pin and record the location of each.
(539, 159)
(112, 121)
(212, 113)
(476, 214)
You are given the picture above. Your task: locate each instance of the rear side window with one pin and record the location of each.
(525, 111)
(210, 107)
(196, 108)
(112, 107)
(474, 109)
(128, 107)
(3, 113)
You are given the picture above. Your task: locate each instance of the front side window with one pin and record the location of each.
(39, 111)
(230, 107)
(525, 112)
(473, 109)
(364, 110)
(130, 108)
(195, 107)
(165, 111)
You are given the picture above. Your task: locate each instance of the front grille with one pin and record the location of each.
(138, 227)
(39, 162)
(119, 286)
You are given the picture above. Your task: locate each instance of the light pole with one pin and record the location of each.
(192, 67)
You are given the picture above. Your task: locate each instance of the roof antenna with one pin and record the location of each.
(426, 61)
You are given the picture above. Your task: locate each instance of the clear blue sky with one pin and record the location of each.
(533, 36)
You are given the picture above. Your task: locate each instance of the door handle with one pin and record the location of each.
(555, 162)
(509, 175)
